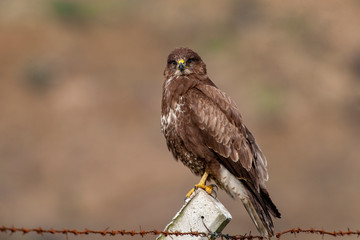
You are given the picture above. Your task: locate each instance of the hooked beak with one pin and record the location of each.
(181, 65)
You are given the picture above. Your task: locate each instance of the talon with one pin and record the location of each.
(214, 186)
(208, 189)
(201, 184)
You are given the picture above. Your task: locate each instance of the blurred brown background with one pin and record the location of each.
(80, 140)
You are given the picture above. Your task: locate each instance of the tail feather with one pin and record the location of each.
(264, 195)
(257, 203)
(259, 216)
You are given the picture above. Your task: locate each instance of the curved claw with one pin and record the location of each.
(209, 189)
(214, 186)
(201, 184)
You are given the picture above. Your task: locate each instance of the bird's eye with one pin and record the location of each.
(190, 60)
(173, 62)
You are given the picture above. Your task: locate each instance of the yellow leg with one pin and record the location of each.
(202, 185)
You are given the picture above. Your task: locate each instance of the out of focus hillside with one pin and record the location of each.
(80, 140)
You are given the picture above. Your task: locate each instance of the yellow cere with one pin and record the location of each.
(181, 61)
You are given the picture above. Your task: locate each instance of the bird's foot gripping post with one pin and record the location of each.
(201, 184)
(201, 214)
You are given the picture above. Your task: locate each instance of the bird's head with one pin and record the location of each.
(184, 61)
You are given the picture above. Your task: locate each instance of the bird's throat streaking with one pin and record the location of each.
(201, 184)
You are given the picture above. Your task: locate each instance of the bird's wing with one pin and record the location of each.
(243, 166)
(223, 131)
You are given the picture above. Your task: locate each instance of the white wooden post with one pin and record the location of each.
(201, 213)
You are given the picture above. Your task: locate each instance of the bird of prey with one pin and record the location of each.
(205, 131)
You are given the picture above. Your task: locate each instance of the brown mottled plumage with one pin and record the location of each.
(205, 131)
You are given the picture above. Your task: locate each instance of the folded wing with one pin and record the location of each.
(223, 131)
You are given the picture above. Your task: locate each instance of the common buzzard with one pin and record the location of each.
(205, 131)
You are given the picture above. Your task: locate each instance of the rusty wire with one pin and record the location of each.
(142, 233)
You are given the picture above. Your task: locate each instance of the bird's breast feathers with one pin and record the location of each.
(170, 116)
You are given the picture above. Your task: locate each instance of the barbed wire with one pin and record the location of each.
(142, 233)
